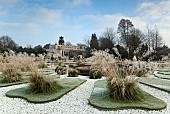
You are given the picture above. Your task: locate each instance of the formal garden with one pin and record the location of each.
(99, 84)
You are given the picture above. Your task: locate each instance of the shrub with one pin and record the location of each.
(11, 73)
(95, 74)
(143, 72)
(73, 73)
(60, 70)
(43, 84)
(124, 89)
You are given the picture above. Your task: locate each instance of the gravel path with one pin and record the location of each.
(75, 102)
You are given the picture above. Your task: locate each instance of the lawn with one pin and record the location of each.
(157, 83)
(24, 80)
(162, 76)
(67, 84)
(100, 99)
(164, 72)
(25, 76)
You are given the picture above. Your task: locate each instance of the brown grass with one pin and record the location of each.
(11, 73)
(42, 84)
(122, 82)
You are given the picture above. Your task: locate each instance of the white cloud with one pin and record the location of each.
(8, 3)
(35, 19)
(81, 2)
(43, 17)
(157, 13)
(19, 26)
(98, 23)
(76, 3)
(54, 22)
(154, 10)
(49, 16)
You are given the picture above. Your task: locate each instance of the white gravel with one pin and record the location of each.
(75, 102)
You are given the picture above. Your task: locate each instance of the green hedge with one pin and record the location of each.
(95, 74)
(73, 73)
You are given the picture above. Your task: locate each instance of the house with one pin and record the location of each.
(64, 51)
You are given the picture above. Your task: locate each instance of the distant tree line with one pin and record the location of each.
(6, 44)
(130, 41)
(127, 39)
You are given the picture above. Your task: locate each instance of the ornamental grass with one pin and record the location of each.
(11, 73)
(121, 78)
(43, 84)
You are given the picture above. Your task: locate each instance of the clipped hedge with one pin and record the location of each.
(95, 74)
(73, 73)
(60, 70)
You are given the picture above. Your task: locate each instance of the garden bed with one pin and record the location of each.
(24, 80)
(156, 83)
(162, 76)
(100, 99)
(67, 84)
(164, 72)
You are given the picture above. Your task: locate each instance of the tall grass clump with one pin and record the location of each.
(42, 84)
(102, 61)
(124, 89)
(121, 79)
(42, 64)
(122, 83)
(26, 64)
(11, 73)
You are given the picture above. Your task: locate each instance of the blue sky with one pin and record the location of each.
(33, 22)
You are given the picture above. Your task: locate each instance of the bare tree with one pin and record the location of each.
(109, 34)
(107, 39)
(68, 44)
(87, 41)
(154, 39)
(7, 42)
(136, 39)
(124, 28)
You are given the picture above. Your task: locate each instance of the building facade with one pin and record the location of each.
(62, 50)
